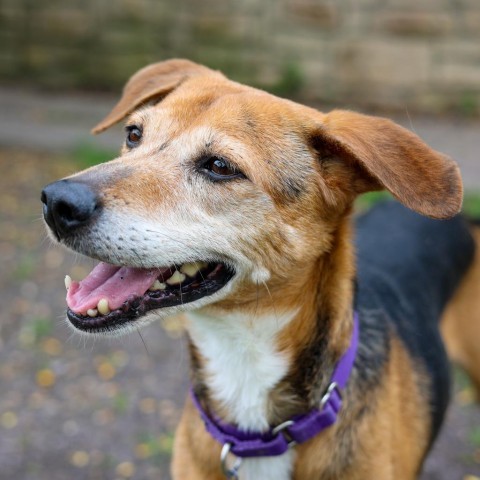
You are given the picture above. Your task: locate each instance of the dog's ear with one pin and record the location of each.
(153, 81)
(393, 158)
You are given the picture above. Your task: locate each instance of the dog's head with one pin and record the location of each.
(221, 187)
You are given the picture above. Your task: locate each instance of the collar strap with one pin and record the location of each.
(299, 428)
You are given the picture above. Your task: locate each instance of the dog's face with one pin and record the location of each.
(221, 188)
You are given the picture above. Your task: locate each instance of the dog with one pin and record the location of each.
(315, 353)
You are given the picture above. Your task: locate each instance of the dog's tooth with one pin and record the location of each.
(92, 312)
(157, 285)
(190, 269)
(68, 281)
(103, 307)
(176, 278)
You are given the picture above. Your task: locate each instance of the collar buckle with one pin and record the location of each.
(230, 472)
(331, 388)
(283, 429)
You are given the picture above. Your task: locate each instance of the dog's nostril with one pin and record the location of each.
(69, 212)
(63, 210)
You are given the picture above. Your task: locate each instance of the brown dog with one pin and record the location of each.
(233, 206)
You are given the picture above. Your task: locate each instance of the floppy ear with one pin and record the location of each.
(421, 178)
(155, 80)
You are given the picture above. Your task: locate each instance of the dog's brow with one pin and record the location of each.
(139, 116)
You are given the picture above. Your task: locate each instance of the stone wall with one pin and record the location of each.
(421, 55)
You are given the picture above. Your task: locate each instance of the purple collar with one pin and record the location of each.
(298, 429)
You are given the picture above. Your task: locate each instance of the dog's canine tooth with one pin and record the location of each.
(191, 269)
(68, 281)
(92, 312)
(103, 307)
(157, 285)
(176, 278)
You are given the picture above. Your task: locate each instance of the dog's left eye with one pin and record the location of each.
(134, 135)
(219, 169)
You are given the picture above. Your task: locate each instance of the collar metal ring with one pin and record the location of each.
(230, 472)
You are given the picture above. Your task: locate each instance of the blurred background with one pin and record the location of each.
(76, 408)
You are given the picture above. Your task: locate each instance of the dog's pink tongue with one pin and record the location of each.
(116, 284)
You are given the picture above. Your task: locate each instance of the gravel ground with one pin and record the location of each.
(79, 408)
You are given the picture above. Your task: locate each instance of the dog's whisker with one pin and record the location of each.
(44, 240)
(143, 341)
(273, 303)
(179, 286)
(257, 299)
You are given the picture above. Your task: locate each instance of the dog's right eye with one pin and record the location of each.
(134, 135)
(219, 169)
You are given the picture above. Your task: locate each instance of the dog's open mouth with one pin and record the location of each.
(111, 296)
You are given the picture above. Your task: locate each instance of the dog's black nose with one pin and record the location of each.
(68, 205)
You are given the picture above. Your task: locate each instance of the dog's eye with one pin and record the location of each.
(134, 135)
(219, 169)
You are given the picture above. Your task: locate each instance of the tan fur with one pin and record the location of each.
(460, 325)
(291, 221)
(391, 446)
(197, 449)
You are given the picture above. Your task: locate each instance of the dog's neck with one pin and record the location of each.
(256, 370)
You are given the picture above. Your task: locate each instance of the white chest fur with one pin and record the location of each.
(242, 367)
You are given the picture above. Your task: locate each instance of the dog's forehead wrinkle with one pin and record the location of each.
(225, 112)
(185, 105)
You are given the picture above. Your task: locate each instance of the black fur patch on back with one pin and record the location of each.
(408, 268)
